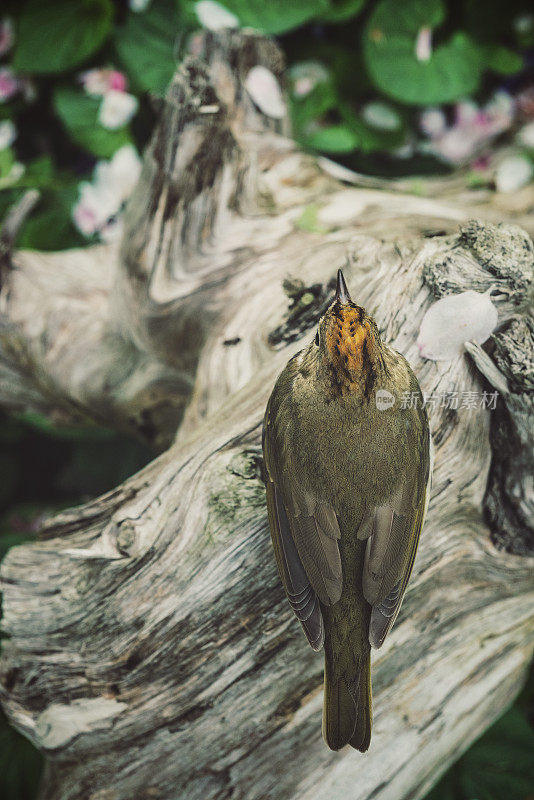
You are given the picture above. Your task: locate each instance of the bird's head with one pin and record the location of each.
(347, 337)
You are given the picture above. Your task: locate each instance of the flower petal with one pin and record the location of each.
(214, 16)
(117, 109)
(453, 320)
(265, 91)
(513, 173)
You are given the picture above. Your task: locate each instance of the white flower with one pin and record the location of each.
(466, 112)
(423, 44)
(526, 135)
(306, 75)
(473, 127)
(112, 230)
(265, 91)
(406, 150)
(214, 16)
(524, 23)
(97, 204)
(139, 5)
(513, 173)
(121, 173)
(453, 320)
(501, 106)
(456, 145)
(432, 122)
(100, 203)
(381, 116)
(117, 108)
(8, 134)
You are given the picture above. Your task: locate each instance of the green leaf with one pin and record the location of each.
(50, 226)
(39, 174)
(321, 99)
(56, 35)
(332, 139)
(501, 60)
(342, 10)
(79, 113)
(20, 764)
(7, 159)
(500, 763)
(389, 39)
(276, 16)
(446, 789)
(45, 426)
(145, 45)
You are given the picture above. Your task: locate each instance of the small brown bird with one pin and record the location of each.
(348, 470)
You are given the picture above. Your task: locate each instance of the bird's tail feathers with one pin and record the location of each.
(361, 738)
(347, 708)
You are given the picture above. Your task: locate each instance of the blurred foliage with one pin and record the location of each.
(382, 60)
(499, 765)
(360, 73)
(20, 765)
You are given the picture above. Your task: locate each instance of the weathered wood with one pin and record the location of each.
(151, 653)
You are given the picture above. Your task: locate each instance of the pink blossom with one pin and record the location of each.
(98, 82)
(100, 203)
(9, 84)
(481, 164)
(117, 81)
(85, 218)
(473, 128)
(7, 36)
(96, 205)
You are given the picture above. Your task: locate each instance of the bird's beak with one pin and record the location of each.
(342, 293)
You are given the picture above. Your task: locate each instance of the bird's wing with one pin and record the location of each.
(392, 531)
(304, 531)
(302, 598)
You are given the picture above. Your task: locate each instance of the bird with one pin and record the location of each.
(347, 473)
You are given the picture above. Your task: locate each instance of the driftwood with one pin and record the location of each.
(150, 650)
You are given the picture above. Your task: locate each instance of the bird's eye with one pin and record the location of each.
(317, 338)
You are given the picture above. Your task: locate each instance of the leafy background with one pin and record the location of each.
(361, 76)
